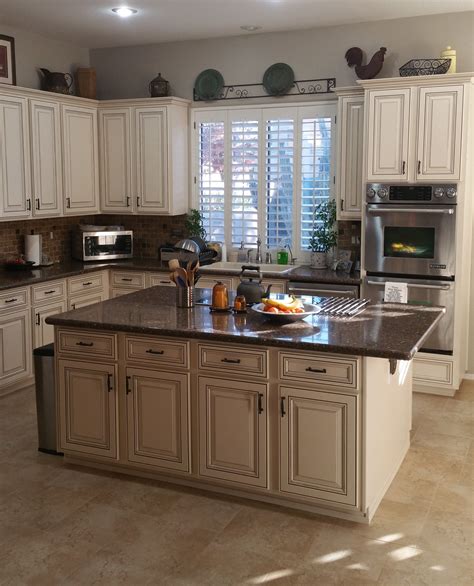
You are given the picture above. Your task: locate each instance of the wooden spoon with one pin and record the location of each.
(181, 277)
(174, 264)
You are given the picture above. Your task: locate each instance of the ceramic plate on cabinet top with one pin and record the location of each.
(278, 79)
(208, 84)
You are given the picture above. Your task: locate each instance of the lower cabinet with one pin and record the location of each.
(318, 435)
(233, 431)
(87, 396)
(15, 347)
(43, 332)
(158, 418)
(85, 300)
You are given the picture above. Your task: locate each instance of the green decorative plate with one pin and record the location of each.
(278, 79)
(208, 84)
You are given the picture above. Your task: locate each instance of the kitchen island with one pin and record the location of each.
(313, 415)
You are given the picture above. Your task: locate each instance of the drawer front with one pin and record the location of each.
(87, 344)
(428, 371)
(208, 282)
(48, 291)
(13, 298)
(85, 300)
(234, 359)
(84, 283)
(130, 279)
(161, 279)
(158, 351)
(329, 371)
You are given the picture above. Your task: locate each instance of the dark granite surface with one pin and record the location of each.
(382, 330)
(10, 279)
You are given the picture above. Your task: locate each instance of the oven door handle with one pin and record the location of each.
(414, 285)
(449, 211)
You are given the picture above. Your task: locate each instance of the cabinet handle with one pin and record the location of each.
(260, 403)
(158, 352)
(138, 201)
(165, 282)
(419, 167)
(73, 306)
(38, 319)
(11, 300)
(38, 203)
(127, 385)
(127, 280)
(128, 201)
(403, 167)
(50, 292)
(28, 204)
(282, 406)
(231, 360)
(109, 382)
(68, 202)
(318, 370)
(87, 344)
(87, 283)
(342, 205)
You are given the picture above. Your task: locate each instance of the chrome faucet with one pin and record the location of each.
(292, 258)
(258, 255)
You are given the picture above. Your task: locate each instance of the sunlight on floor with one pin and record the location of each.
(391, 537)
(271, 576)
(404, 553)
(437, 568)
(333, 557)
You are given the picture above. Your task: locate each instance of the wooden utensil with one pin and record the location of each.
(181, 277)
(191, 268)
(174, 264)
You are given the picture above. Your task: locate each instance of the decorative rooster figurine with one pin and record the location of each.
(355, 55)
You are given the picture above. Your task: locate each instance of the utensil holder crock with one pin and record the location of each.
(185, 297)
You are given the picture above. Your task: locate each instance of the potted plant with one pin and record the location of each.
(324, 234)
(194, 224)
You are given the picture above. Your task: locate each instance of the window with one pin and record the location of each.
(262, 172)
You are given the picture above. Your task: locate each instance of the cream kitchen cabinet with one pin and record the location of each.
(46, 160)
(43, 332)
(15, 346)
(80, 159)
(15, 171)
(233, 431)
(87, 407)
(350, 145)
(318, 451)
(158, 418)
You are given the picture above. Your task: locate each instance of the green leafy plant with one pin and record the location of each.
(324, 234)
(194, 224)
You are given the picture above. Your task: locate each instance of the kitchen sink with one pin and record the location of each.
(237, 266)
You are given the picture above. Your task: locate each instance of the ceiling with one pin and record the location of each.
(90, 23)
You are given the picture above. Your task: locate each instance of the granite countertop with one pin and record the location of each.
(392, 331)
(10, 279)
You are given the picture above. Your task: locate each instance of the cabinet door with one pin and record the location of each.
(88, 408)
(115, 160)
(387, 137)
(439, 133)
(349, 155)
(233, 431)
(85, 300)
(158, 418)
(151, 160)
(15, 174)
(80, 159)
(318, 444)
(15, 347)
(46, 158)
(43, 332)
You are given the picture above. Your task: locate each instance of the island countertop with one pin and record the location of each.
(382, 330)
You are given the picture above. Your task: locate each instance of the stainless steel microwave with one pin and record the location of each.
(103, 245)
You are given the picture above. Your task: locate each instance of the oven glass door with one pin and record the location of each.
(410, 240)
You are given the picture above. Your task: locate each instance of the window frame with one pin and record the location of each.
(261, 113)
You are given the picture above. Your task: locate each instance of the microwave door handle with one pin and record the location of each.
(414, 285)
(450, 211)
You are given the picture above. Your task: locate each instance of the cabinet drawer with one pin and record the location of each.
(329, 371)
(13, 298)
(208, 282)
(85, 300)
(48, 291)
(130, 279)
(87, 344)
(234, 359)
(84, 283)
(161, 279)
(157, 351)
(427, 371)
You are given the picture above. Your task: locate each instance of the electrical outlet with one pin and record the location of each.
(51, 235)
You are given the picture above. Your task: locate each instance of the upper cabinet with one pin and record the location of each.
(80, 152)
(144, 156)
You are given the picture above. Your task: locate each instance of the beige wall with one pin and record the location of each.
(125, 72)
(33, 51)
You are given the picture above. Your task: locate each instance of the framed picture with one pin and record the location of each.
(7, 60)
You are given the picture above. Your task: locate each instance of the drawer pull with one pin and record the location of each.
(260, 403)
(282, 406)
(158, 352)
(11, 300)
(231, 360)
(109, 382)
(127, 279)
(87, 283)
(50, 292)
(38, 319)
(165, 282)
(318, 370)
(127, 385)
(87, 344)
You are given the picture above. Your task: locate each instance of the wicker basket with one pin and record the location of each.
(424, 67)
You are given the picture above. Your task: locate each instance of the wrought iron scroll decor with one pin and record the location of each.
(252, 90)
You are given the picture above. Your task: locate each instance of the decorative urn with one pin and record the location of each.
(159, 87)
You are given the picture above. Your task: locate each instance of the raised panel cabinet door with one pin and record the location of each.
(158, 418)
(46, 158)
(15, 172)
(233, 431)
(440, 133)
(151, 160)
(15, 347)
(318, 444)
(80, 159)
(88, 408)
(115, 160)
(43, 332)
(388, 135)
(350, 155)
(85, 300)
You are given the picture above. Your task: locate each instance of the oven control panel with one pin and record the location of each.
(434, 194)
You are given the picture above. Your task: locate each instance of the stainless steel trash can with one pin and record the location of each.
(45, 398)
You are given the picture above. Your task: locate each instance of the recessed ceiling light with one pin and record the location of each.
(124, 11)
(250, 28)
